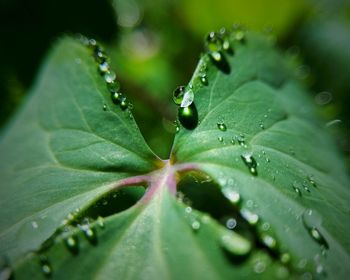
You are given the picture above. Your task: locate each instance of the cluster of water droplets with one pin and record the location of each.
(107, 73)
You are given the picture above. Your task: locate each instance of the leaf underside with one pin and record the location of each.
(63, 152)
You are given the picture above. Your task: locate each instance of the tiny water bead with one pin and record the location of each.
(188, 116)
(231, 223)
(117, 97)
(312, 221)
(216, 56)
(233, 196)
(268, 241)
(220, 139)
(103, 67)
(187, 98)
(296, 189)
(46, 268)
(221, 125)
(249, 216)
(196, 225)
(88, 230)
(312, 181)
(104, 107)
(204, 79)
(214, 42)
(72, 244)
(250, 162)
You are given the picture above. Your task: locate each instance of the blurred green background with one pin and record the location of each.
(154, 46)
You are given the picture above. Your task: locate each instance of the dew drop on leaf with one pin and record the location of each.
(124, 103)
(114, 86)
(233, 196)
(204, 79)
(312, 221)
(89, 231)
(250, 162)
(103, 67)
(100, 222)
(72, 244)
(296, 189)
(196, 225)
(110, 77)
(188, 116)
(249, 216)
(46, 268)
(117, 97)
(220, 139)
(231, 223)
(187, 99)
(268, 241)
(221, 125)
(216, 56)
(178, 95)
(259, 267)
(214, 42)
(235, 244)
(104, 107)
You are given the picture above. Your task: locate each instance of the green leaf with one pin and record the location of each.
(269, 116)
(63, 150)
(256, 154)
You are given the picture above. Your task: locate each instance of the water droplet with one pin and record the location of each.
(214, 42)
(45, 266)
(231, 223)
(103, 67)
(72, 243)
(323, 98)
(250, 162)
(188, 116)
(311, 179)
(233, 141)
(285, 258)
(35, 224)
(296, 189)
(110, 77)
(261, 125)
(187, 99)
(241, 140)
(265, 226)
(196, 225)
(221, 139)
(269, 241)
(235, 244)
(188, 209)
(117, 97)
(178, 95)
(226, 44)
(104, 107)
(231, 195)
(124, 104)
(204, 79)
(99, 54)
(89, 231)
(239, 35)
(221, 125)
(305, 186)
(259, 267)
(312, 221)
(249, 216)
(216, 56)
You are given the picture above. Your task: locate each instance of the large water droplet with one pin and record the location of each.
(235, 244)
(250, 162)
(188, 116)
(187, 98)
(110, 77)
(178, 95)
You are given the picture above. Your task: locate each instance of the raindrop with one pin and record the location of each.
(104, 107)
(103, 67)
(72, 243)
(35, 224)
(311, 179)
(268, 241)
(216, 56)
(221, 139)
(226, 44)
(214, 42)
(233, 141)
(178, 95)
(285, 258)
(235, 244)
(265, 226)
(231, 195)
(109, 77)
(117, 97)
(204, 79)
(250, 162)
(305, 186)
(241, 140)
(249, 216)
(188, 98)
(99, 54)
(261, 125)
(124, 104)
(89, 231)
(188, 116)
(312, 221)
(296, 189)
(196, 225)
(188, 209)
(45, 266)
(231, 223)
(221, 125)
(259, 267)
